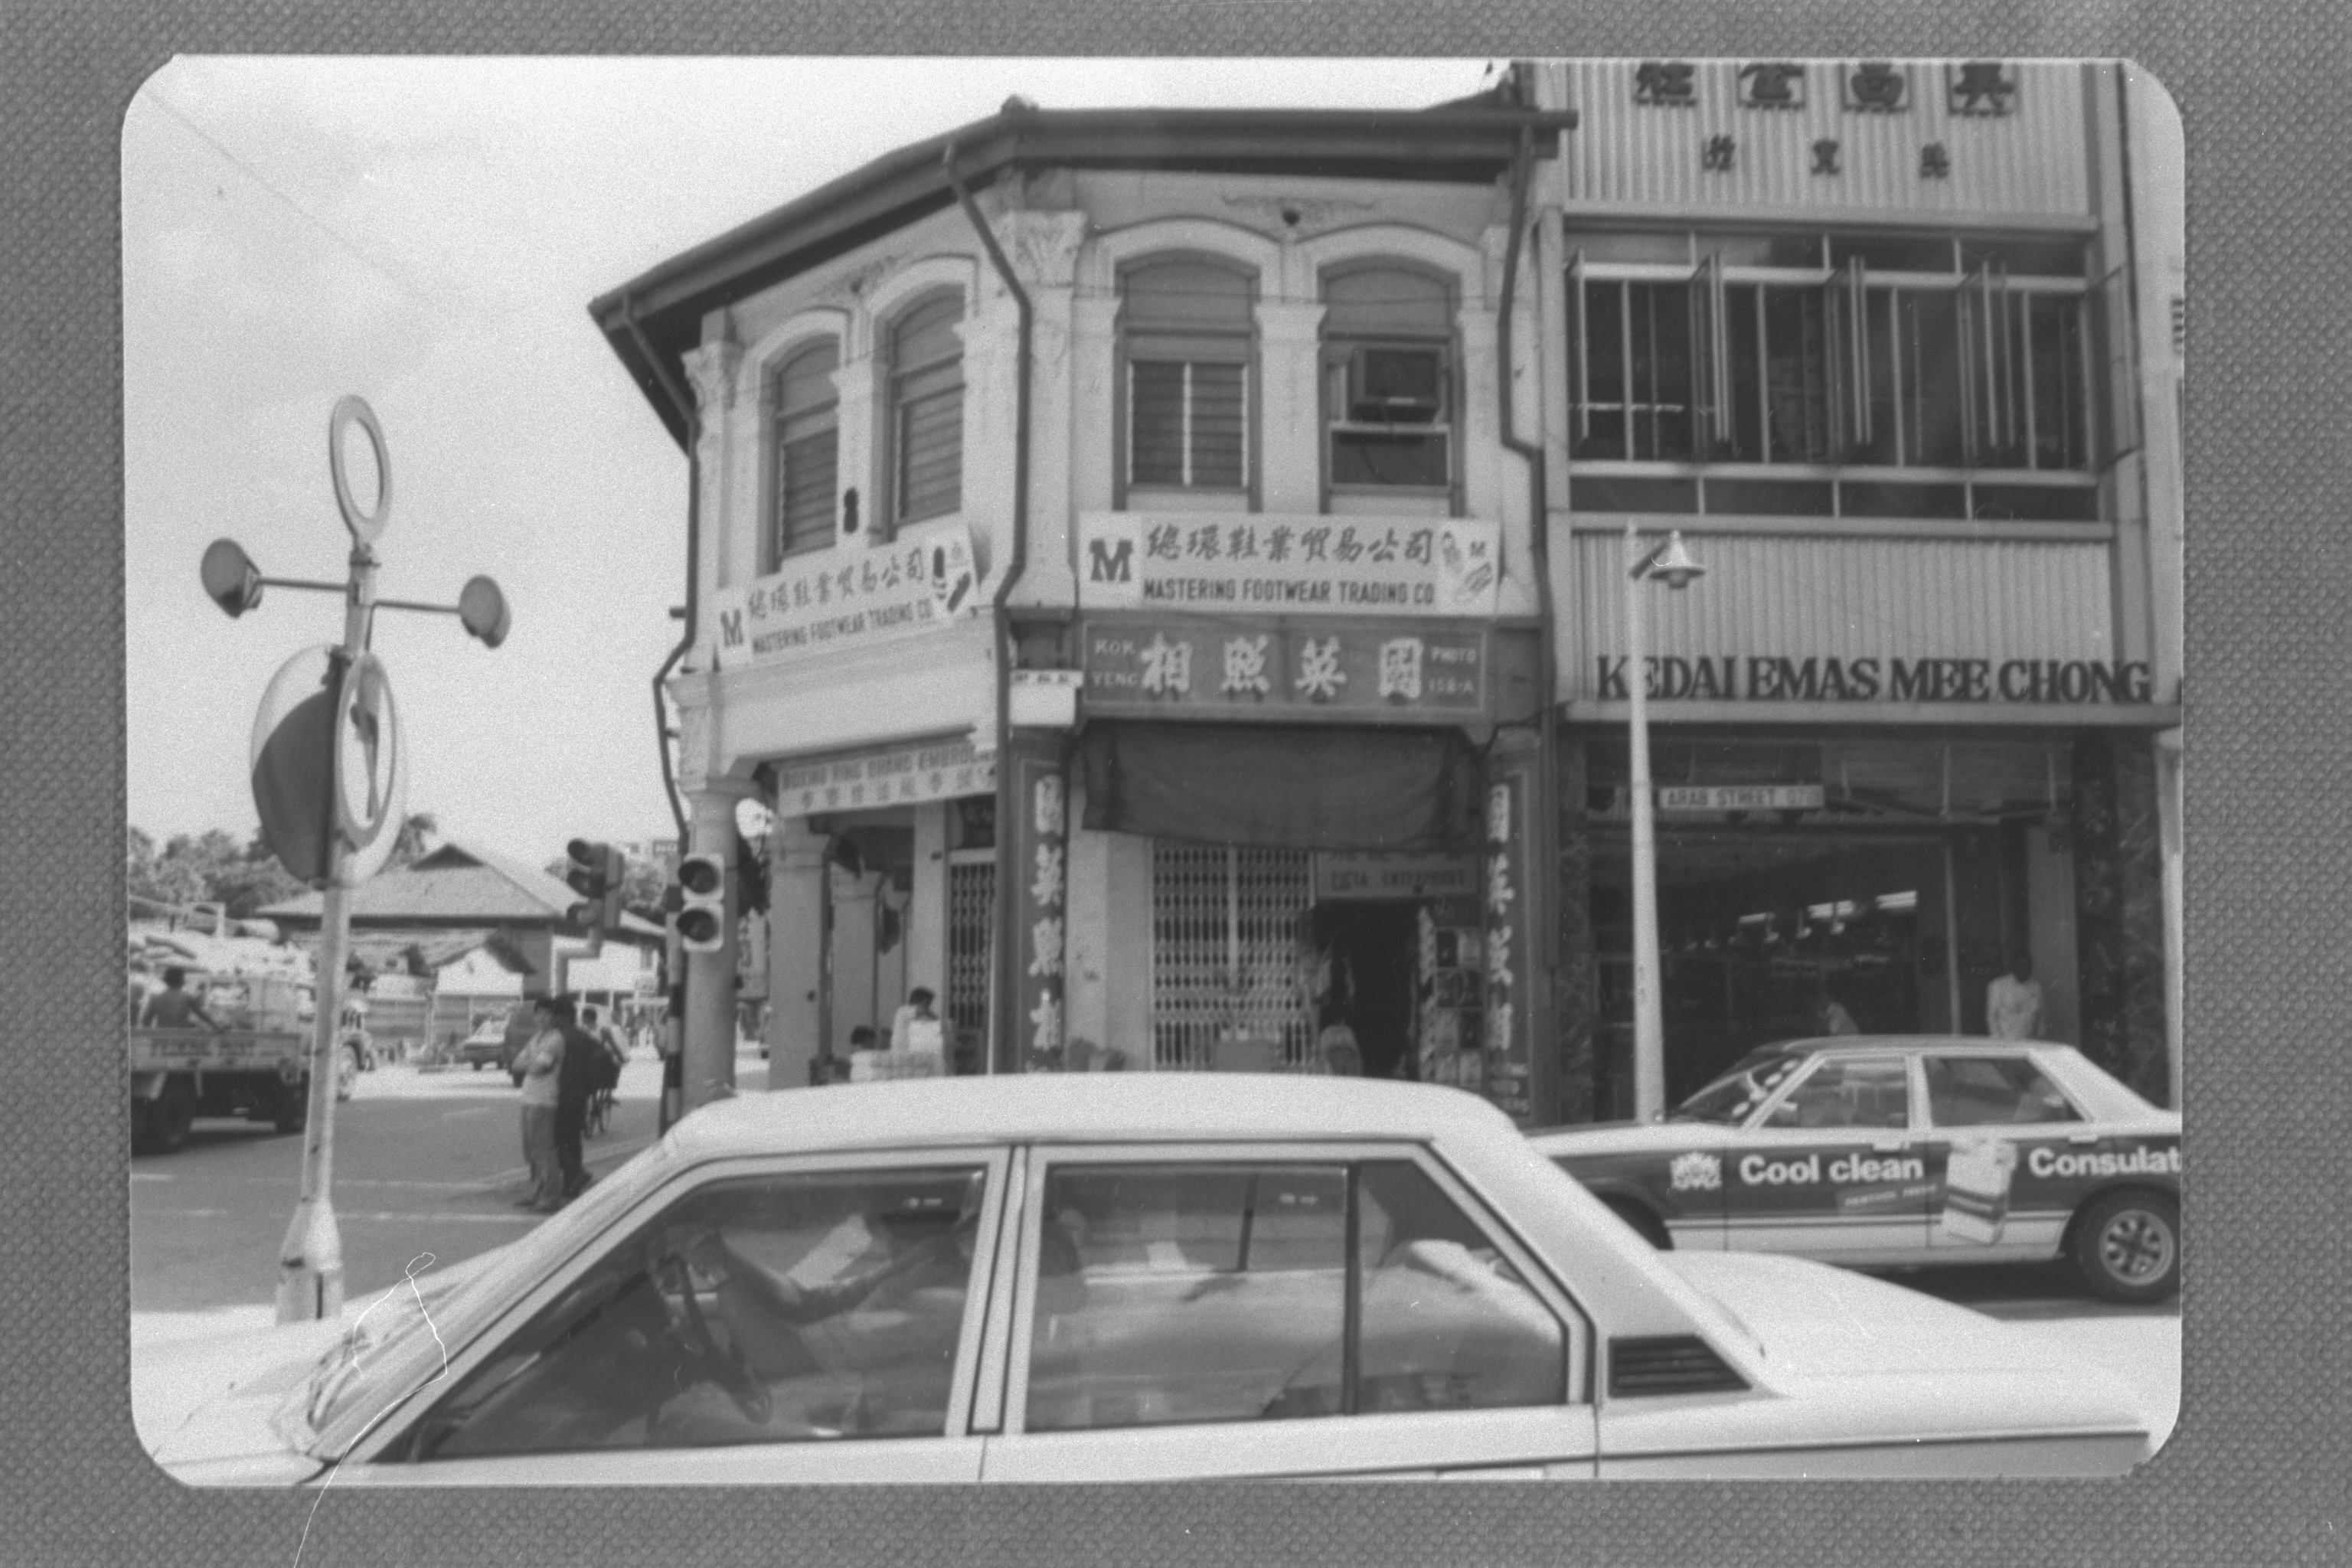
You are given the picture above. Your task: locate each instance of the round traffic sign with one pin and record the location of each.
(292, 762)
(366, 526)
(371, 771)
(329, 767)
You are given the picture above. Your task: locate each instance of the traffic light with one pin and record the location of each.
(598, 874)
(702, 918)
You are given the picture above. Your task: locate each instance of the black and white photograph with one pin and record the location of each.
(1068, 770)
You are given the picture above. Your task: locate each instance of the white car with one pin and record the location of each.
(1904, 1149)
(1122, 1278)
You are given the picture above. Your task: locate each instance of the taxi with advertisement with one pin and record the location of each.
(1904, 1149)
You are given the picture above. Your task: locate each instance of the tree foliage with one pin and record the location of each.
(205, 868)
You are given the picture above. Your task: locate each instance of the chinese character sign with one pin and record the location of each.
(1042, 859)
(1151, 665)
(1506, 935)
(1275, 565)
(824, 602)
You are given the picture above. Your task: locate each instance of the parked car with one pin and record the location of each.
(487, 1046)
(1904, 1149)
(1122, 1278)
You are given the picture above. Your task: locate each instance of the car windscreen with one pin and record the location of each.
(402, 1336)
(1729, 1099)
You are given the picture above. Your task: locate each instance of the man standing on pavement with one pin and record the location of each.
(539, 1064)
(575, 1084)
(2013, 1001)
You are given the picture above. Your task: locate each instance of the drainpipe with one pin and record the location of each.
(1543, 1087)
(693, 418)
(1004, 1000)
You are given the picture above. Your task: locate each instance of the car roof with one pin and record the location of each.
(1847, 1043)
(1128, 1107)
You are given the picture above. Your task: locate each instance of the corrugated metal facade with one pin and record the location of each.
(1850, 598)
(2029, 163)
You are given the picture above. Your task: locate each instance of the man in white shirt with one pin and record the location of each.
(918, 1038)
(2013, 1002)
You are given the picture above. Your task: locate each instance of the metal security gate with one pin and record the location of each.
(1225, 926)
(972, 914)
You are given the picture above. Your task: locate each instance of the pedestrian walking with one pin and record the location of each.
(575, 1085)
(541, 1062)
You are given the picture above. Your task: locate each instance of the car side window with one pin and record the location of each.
(1177, 1294)
(1873, 1092)
(799, 1307)
(1979, 1091)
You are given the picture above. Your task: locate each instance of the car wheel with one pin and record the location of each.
(1643, 1220)
(143, 1127)
(170, 1117)
(2128, 1248)
(292, 1112)
(478, 1066)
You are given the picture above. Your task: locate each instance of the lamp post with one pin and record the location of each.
(300, 789)
(1670, 563)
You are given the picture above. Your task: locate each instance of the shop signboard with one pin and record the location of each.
(841, 599)
(1776, 678)
(1264, 563)
(895, 776)
(1222, 667)
(1355, 875)
(1740, 797)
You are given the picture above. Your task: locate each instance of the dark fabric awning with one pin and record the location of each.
(1278, 786)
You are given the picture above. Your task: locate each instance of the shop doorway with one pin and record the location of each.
(1369, 965)
(1761, 931)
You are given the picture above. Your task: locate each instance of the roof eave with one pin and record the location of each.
(1447, 144)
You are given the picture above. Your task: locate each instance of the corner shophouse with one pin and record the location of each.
(1250, 785)
(1263, 565)
(1890, 344)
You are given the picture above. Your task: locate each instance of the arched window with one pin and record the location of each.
(1388, 379)
(807, 447)
(1185, 328)
(927, 412)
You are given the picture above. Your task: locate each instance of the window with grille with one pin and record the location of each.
(927, 412)
(1388, 394)
(807, 447)
(1225, 924)
(1956, 373)
(1186, 333)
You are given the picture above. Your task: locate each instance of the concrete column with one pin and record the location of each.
(1575, 1032)
(854, 1002)
(709, 1049)
(1290, 423)
(796, 951)
(926, 911)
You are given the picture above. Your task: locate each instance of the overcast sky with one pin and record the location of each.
(427, 234)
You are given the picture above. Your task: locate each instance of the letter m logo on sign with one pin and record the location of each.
(1111, 561)
(730, 629)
